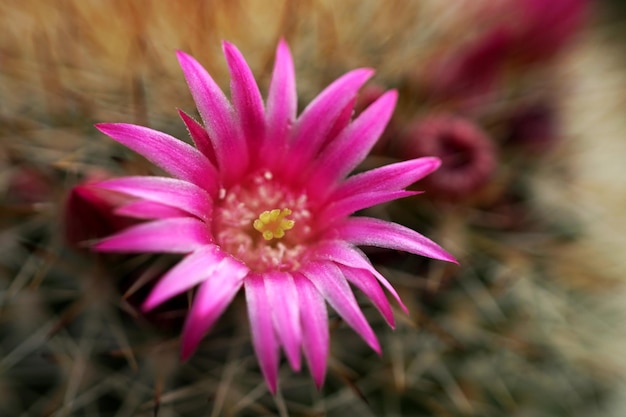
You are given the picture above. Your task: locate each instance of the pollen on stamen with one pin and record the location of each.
(273, 224)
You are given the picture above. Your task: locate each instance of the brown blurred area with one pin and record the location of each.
(68, 64)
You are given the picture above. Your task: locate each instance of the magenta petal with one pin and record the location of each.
(388, 178)
(281, 102)
(374, 232)
(174, 156)
(262, 329)
(281, 296)
(246, 96)
(347, 206)
(222, 283)
(142, 209)
(167, 191)
(199, 136)
(329, 281)
(342, 253)
(217, 115)
(318, 118)
(366, 282)
(179, 235)
(314, 319)
(193, 269)
(343, 120)
(342, 155)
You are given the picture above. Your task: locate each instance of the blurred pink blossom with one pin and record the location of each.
(468, 157)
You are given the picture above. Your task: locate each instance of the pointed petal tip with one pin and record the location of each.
(435, 161)
(95, 246)
(393, 94)
(186, 351)
(319, 383)
(272, 386)
(105, 245)
(358, 75)
(446, 257)
(183, 57)
(190, 340)
(375, 345)
(389, 100)
(365, 72)
(229, 49)
(148, 305)
(294, 364)
(106, 128)
(294, 359)
(283, 48)
(431, 163)
(404, 308)
(181, 54)
(318, 373)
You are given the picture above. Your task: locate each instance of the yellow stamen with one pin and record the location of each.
(272, 223)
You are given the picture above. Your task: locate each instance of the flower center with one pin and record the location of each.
(272, 224)
(254, 221)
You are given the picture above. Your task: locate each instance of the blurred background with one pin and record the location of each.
(522, 99)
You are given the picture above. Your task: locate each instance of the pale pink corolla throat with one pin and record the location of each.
(263, 222)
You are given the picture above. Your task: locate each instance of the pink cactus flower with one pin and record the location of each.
(263, 202)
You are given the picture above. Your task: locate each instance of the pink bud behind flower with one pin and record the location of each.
(468, 157)
(90, 212)
(471, 73)
(523, 32)
(544, 28)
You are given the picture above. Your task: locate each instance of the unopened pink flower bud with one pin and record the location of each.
(90, 213)
(468, 157)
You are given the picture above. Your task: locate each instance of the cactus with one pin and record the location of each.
(519, 328)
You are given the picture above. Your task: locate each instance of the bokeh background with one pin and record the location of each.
(523, 100)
